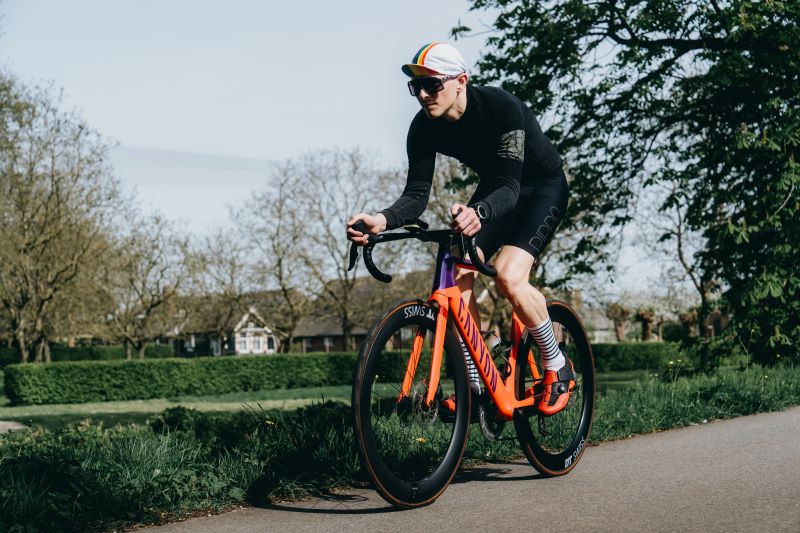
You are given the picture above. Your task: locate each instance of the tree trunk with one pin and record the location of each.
(22, 345)
(127, 345)
(647, 330)
(346, 335)
(619, 330)
(140, 347)
(38, 350)
(47, 355)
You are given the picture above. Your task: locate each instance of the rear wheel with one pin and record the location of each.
(410, 450)
(554, 444)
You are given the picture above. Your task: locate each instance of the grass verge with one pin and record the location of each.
(98, 478)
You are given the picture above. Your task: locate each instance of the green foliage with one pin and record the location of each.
(700, 99)
(10, 356)
(79, 382)
(105, 479)
(634, 355)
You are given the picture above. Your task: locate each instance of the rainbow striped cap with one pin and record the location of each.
(435, 58)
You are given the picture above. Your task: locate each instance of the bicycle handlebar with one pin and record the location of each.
(416, 230)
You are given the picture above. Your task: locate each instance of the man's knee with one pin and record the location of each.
(465, 279)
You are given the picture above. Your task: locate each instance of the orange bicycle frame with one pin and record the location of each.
(448, 297)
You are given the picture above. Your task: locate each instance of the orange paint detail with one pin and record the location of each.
(421, 60)
(413, 361)
(436, 356)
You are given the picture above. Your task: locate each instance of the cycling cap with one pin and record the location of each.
(435, 58)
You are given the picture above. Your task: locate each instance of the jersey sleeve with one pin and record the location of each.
(421, 162)
(509, 156)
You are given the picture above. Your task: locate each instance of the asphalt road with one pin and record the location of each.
(734, 475)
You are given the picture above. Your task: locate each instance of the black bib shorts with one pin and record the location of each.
(532, 222)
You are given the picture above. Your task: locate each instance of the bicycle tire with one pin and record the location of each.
(555, 444)
(410, 452)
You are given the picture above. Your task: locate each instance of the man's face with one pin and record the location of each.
(435, 103)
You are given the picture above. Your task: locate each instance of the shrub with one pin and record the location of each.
(60, 353)
(79, 382)
(634, 355)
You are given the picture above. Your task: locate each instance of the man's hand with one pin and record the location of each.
(465, 220)
(375, 224)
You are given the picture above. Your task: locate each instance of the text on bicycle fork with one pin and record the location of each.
(474, 335)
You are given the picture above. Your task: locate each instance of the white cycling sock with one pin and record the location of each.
(546, 340)
(472, 371)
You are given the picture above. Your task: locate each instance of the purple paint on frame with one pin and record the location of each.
(446, 276)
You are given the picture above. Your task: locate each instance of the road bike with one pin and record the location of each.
(411, 398)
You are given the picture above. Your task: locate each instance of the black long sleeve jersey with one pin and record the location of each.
(497, 137)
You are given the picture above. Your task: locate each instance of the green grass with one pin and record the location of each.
(99, 478)
(139, 411)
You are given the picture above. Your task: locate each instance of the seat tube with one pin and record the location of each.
(438, 347)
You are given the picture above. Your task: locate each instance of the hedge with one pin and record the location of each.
(635, 355)
(79, 382)
(10, 356)
(96, 381)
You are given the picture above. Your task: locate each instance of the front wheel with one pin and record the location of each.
(554, 444)
(410, 450)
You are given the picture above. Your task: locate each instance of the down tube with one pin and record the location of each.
(472, 336)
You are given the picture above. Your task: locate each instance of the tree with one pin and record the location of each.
(141, 281)
(57, 204)
(646, 316)
(705, 94)
(218, 283)
(274, 224)
(330, 186)
(618, 314)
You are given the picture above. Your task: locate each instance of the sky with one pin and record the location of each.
(200, 96)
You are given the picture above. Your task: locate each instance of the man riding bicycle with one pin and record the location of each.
(520, 198)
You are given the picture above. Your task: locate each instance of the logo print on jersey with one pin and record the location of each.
(512, 145)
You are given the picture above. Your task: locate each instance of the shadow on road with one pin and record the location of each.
(334, 504)
(368, 502)
(493, 473)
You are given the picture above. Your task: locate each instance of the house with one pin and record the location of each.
(324, 334)
(251, 335)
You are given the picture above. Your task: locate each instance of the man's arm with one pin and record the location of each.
(421, 163)
(510, 153)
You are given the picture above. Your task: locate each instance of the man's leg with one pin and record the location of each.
(466, 283)
(513, 271)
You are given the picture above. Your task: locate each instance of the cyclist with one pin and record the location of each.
(520, 198)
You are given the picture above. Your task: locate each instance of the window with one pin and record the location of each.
(257, 344)
(242, 345)
(270, 344)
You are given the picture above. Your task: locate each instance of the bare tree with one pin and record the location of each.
(274, 224)
(331, 186)
(142, 280)
(219, 282)
(57, 202)
(666, 232)
(618, 314)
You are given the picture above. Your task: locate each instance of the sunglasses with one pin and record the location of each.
(430, 85)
